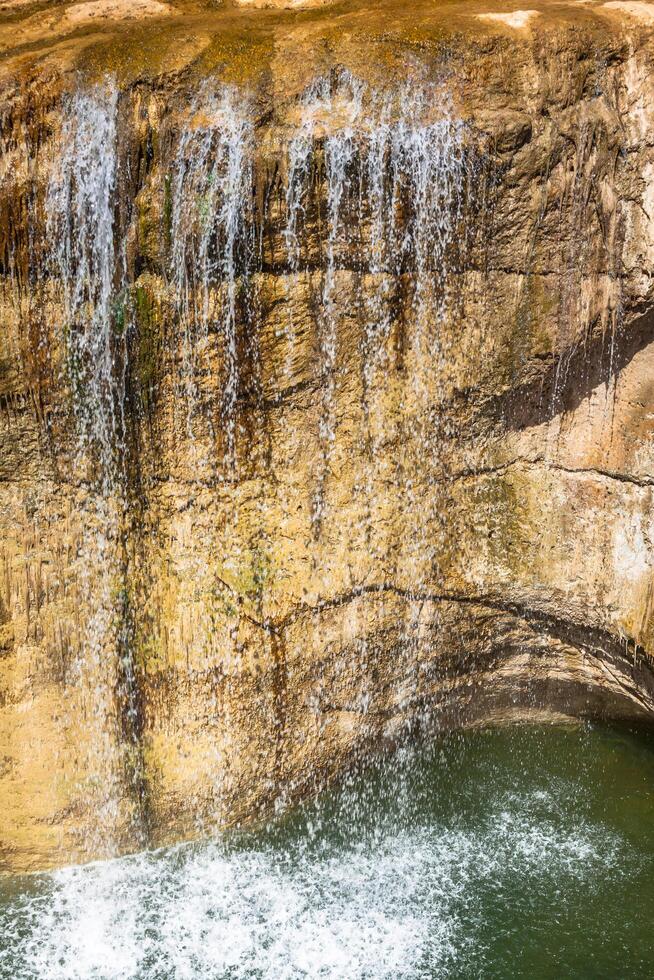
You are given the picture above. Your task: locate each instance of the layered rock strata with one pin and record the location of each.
(326, 405)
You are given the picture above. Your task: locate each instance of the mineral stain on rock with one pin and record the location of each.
(325, 396)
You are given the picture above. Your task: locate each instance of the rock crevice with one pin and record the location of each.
(326, 412)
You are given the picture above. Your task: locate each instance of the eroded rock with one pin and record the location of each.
(333, 489)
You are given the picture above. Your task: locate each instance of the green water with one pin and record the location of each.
(525, 852)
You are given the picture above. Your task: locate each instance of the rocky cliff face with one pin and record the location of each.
(326, 403)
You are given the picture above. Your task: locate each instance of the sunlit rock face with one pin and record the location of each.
(326, 401)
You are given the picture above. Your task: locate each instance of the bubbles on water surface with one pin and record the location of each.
(382, 911)
(374, 891)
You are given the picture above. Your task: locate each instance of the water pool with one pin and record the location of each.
(503, 853)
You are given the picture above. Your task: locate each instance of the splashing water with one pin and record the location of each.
(263, 914)
(466, 875)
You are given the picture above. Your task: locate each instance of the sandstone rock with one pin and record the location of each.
(385, 510)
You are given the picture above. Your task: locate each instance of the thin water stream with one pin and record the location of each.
(500, 853)
(371, 199)
(505, 853)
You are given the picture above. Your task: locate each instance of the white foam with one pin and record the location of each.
(380, 908)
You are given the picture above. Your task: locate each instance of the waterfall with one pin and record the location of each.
(401, 175)
(384, 163)
(211, 205)
(80, 207)
(370, 189)
(339, 149)
(83, 254)
(326, 473)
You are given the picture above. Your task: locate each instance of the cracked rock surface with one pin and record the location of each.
(484, 548)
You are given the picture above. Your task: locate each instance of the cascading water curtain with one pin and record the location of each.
(80, 206)
(384, 162)
(211, 241)
(83, 256)
(401, 176)
(383, 176)
(393, 174)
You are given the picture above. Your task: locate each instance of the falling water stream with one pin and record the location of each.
(210, 210)
(487, 854)
(87, 261)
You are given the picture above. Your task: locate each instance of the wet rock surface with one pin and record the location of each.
(325, 397)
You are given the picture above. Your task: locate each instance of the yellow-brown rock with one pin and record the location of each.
(216, 634)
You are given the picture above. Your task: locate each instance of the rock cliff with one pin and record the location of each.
(326, 395)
